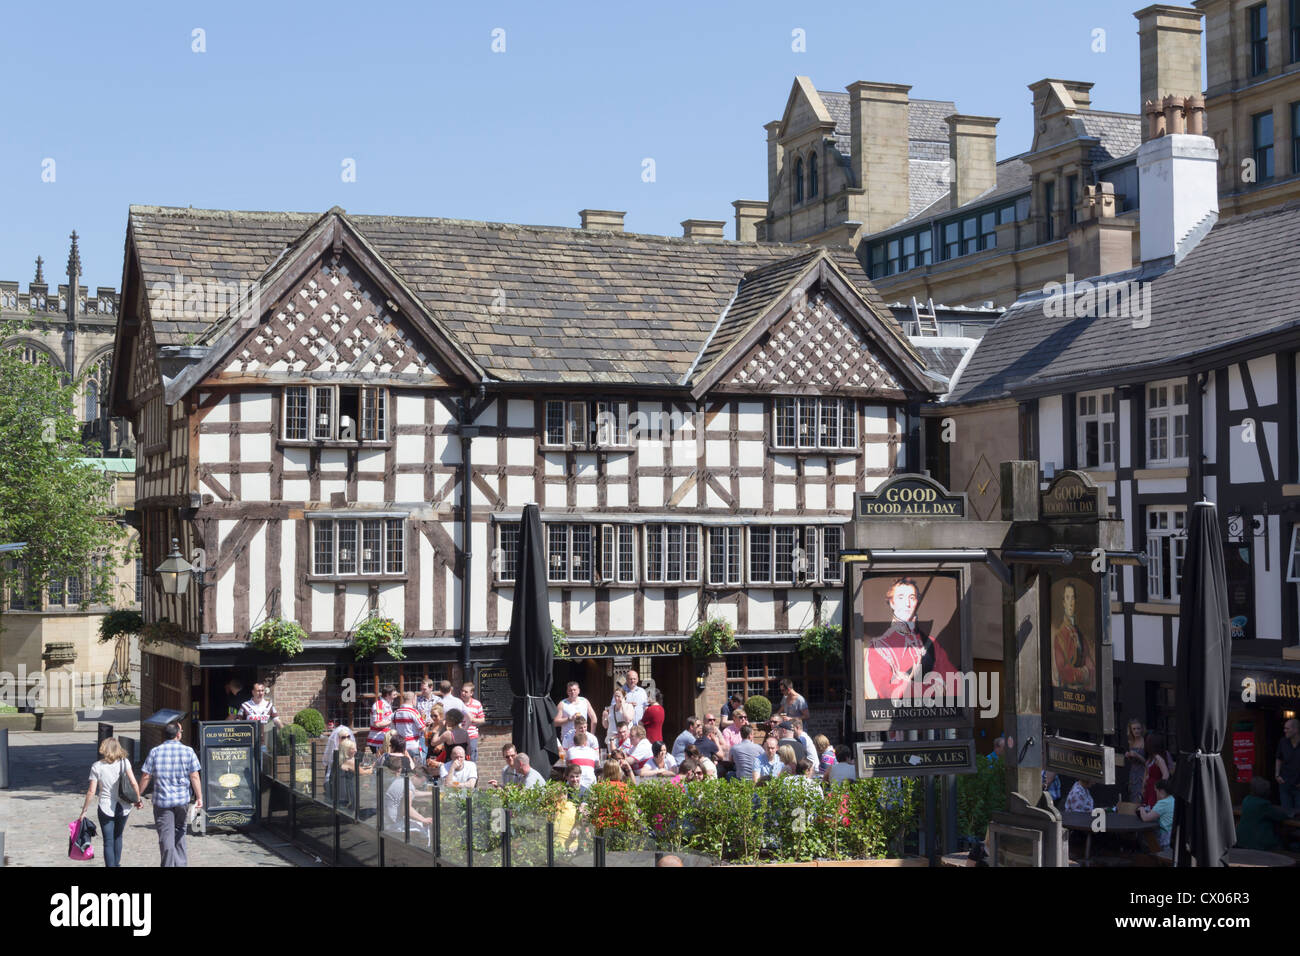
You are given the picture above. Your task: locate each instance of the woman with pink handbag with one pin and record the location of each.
(112, 780)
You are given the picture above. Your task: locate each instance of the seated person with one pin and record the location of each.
(1080, 797)
(394, 816)
(460, 774)
(661, 763)
(1257, 829)
(1162, 811)
(844, 768)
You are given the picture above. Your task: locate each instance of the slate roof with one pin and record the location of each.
(1240, 282)
(581, 306)
(929, 165)
(1120, 133)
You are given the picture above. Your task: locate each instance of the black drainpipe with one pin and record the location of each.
(468, 432)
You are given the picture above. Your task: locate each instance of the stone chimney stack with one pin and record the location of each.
(973, 147)
(1098, 243)
(775, 156)
(749, 213)
(878, 129)
(602, 219)
(1177, 179)
(1169, 43)
(705, 229)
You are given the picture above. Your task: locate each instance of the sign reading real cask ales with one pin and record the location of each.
(915, 758)
(911, 496)
(1078, 758)
(229, 762)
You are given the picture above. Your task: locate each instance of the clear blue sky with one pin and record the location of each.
(440, 125)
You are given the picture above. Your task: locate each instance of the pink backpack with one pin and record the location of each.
(80, 846)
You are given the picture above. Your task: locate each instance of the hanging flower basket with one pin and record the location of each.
(278, 636)
(559, 641)
(162, 632)
(711, 638)
(119, 622)
(821, 642)
(376, 633)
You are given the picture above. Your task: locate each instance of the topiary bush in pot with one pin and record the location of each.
(310, 720)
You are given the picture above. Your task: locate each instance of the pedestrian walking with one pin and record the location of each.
(173, 768)
(113, 795)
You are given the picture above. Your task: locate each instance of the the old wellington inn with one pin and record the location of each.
(693, 416)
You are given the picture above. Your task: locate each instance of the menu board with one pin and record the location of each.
(228, 757)
(1241, 590)
(492, 687)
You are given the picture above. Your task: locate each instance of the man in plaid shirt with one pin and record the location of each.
(174, 770)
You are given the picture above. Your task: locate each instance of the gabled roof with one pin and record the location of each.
(767, 294)
(1240, 283)
(525, 303)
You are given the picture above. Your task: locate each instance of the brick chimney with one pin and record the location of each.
(1098, 243)
(706, 229)
(1169, 44)
(602, 219)
(878, 129)
(973, 147)
(749, 213)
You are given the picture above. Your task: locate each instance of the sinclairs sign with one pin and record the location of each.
(911, 496)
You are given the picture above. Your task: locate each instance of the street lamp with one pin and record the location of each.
(175, 571)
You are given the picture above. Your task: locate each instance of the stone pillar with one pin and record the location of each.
(59, 714)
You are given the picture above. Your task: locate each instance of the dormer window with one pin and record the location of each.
(798, 180)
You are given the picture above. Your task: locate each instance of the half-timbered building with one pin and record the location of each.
(1172, 383)
(359, 429)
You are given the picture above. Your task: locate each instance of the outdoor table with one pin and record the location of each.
(1115, 823)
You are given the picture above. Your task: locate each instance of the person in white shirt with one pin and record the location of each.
(569, 708)
(397, 789)
(635, 695)
(461, 773)
(642, 753)
(661, 762)
(809, 748)
(584, 756)
(844, 768)
(259, 709)
(449, 700)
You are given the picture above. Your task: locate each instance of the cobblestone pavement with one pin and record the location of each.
(48, 773)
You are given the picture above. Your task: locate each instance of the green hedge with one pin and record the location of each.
(979, 794)
(739, 822)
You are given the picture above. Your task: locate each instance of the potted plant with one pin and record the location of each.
(558, 641)
(377, 632)
(711, 637)
(821, 642)
(278, 636)
(759, 710)
(310, 720)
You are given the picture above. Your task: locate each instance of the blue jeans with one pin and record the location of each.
(113, 828)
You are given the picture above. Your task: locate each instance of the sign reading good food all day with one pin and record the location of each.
(911, 496)
(1071, 495)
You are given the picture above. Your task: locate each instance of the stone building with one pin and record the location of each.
(72, 329)
(1252, 54)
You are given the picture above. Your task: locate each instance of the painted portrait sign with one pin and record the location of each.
(1076, 665)
(910, 652)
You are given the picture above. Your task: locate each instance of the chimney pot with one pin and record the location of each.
(1169, 44)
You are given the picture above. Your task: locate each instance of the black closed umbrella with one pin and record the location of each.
(1203, 827)
(531, 653)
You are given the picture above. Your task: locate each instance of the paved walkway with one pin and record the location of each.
(48, 774)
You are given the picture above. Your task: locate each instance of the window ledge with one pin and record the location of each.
(1152, 607)
(847, 451)
(1163, 471)
(350, 444)
(356, 578)
(1291, 491)
(1099, 475)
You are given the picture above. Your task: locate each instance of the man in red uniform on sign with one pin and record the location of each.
(1072, 653)
(898, 660)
